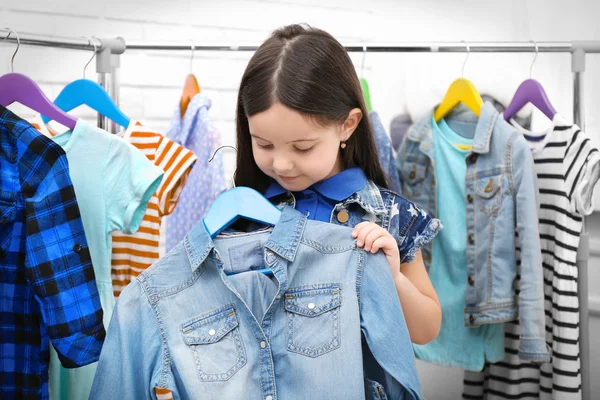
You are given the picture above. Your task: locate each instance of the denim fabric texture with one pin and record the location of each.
(502, 207)
(187, 326)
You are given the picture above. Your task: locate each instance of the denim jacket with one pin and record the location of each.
(185, 326)
(408, 223)
(501, 200)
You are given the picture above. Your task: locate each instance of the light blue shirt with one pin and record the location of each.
(113, 182)
(185, 326)
(195, 132)
(456, 345)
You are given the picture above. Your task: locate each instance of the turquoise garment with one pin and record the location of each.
(456, 345)
(318, 201)
(113, 182)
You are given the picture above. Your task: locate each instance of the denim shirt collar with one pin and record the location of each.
(369, 198)
(422, 131)
(284, 239)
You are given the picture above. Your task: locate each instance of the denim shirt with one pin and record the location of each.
(385, 152)
(185, 326)
(408, 223)
(501, 200)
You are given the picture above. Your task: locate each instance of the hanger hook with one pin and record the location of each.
(192, 61)
(362, 65)
(466, 58)
(214, 155)
(12, 60)
(90, 41)
(537, 50)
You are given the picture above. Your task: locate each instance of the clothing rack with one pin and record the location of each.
(113, 48)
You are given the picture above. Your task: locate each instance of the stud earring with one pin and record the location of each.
(343, 145)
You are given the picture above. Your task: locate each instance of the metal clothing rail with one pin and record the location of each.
(588, 46)
(578, 49)
(107, 53)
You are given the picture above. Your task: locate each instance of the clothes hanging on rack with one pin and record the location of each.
(113, 182)
(47, 282)
(131, 254)
(196, 132)
(457, 344)
(500, 200)
(567, 166)
(385, 152)
(266, 338)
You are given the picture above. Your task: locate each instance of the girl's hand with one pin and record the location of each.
(373, 238)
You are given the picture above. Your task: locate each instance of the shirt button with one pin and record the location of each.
(212, 332)
(263, 345)
(343, 216)
(471, 318)
(471, 280)
(471, 239)
(311, 306)
(77, 248)
(269, 398)
(473, 158)
(470, 198)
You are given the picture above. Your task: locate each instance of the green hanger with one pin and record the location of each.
(366, 93)
(363, 82)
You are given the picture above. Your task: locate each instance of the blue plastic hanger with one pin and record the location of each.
(91, 94)
(240, 202)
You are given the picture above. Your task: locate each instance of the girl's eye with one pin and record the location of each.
(304, 150)
(264, 146)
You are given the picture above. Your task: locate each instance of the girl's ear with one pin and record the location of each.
(349, 126)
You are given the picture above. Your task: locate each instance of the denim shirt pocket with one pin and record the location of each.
(489, 194)
(313, 319)
(216, 344)
(413, 176)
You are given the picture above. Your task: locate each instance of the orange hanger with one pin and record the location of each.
(190, 88)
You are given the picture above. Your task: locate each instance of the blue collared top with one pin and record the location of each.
(318, 201)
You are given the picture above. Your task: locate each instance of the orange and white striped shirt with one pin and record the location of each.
(132, 254)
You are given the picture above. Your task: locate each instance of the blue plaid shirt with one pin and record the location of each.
(47, 286)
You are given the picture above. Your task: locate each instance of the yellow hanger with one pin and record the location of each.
(460, 91)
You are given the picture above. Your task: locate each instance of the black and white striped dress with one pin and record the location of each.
(567, 166)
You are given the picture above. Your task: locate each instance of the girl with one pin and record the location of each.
(304, 139)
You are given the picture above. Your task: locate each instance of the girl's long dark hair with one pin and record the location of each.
(306, 70)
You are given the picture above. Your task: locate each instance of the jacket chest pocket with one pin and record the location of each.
(413, 180)
(313, 319)
(216, 344)
(489, 194)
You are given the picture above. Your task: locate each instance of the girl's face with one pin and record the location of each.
(296, 151)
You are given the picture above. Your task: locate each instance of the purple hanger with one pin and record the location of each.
(530, 91)
(18, 88)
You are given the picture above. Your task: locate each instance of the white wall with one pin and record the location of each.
(151, 81)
